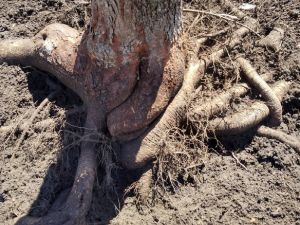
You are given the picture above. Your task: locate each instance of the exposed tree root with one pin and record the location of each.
(77, 204)
(222, 16)
(273, 40)
(218, 33)
(137, 153)
(41, 125)
(249, 118)
(268, 132)
(264, 89)
(75, 60)
(17, 51)
(28, 124)
(220, 103)
(143, 185)
(53, 49)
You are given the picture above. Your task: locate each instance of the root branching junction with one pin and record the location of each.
(148, 126)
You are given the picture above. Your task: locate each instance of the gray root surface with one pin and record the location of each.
(16, 51)
(206, 110)
(143, 185)
(249, 118)
(264, 89)
(137, 153)
(29, 123)
(273, 40)
(25, 126)
(268, 132)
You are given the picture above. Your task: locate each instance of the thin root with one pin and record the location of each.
(41, 125)
(30, 121)
(268, 132)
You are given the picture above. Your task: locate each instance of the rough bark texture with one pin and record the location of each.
(126, 67)
(128, 56)
(128, 64)
(137, 153)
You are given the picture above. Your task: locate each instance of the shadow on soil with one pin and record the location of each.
(60, 175)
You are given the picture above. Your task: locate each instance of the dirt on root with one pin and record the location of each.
(251, 180)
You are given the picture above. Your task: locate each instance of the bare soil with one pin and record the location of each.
(252, 180)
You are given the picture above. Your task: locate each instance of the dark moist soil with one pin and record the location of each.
(261, 187)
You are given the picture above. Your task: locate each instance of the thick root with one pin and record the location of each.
(77, 204)
(54, 50)
(220, 103)
(264, 89)
(20, 51)
(292, 141)
(137, 153)
(273, 40)
(143, 186)
(249, 118)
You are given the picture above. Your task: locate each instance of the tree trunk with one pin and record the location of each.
(128, 64)
(130, 61)
(126, 67)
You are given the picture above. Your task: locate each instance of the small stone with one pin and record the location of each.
(247, 6)
(276, 213)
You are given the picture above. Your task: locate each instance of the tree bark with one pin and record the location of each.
(126, 67)
(130, 61)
